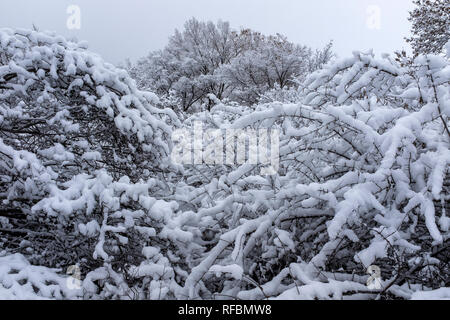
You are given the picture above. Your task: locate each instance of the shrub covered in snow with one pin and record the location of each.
(86, 179)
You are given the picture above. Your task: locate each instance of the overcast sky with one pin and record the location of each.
(120, 29)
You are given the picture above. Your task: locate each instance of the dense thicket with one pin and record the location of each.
(87, 179)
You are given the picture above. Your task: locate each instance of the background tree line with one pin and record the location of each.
(207, 58)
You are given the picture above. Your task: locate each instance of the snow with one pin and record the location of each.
(21, 281)
(235, 271)
(439, 294)
(87, 178)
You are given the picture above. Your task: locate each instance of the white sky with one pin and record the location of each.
(120, 29)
